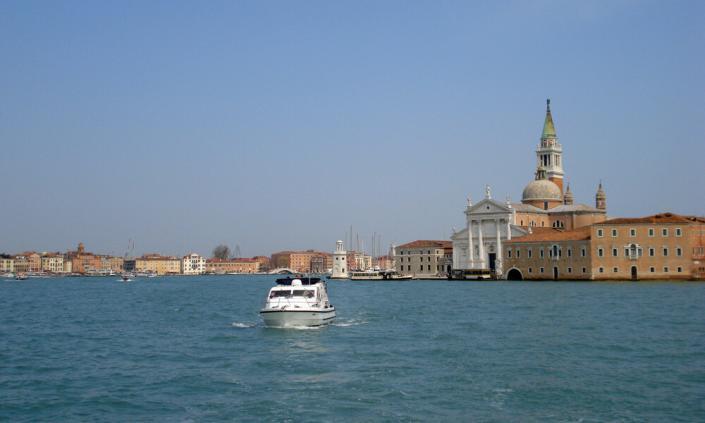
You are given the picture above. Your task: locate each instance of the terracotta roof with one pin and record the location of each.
(422, 243)
(550, 234)
(656, 218)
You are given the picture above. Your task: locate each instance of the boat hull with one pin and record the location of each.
(297, 318)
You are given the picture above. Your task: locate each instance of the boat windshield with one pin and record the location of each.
(308, 293)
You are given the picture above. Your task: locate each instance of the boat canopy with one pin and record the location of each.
(304, 281)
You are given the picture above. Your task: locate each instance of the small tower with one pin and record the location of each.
(549, 154)
(600, 198)
(340, 266)
(568, 196)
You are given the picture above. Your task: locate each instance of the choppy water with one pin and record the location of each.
(193, 349)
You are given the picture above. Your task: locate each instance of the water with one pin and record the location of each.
(193, 349)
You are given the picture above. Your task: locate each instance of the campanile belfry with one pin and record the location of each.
(549, 154)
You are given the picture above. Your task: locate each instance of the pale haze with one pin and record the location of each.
(277, 125)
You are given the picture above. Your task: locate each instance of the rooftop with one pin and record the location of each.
(550, 234)
(654, 219)
(423, 243)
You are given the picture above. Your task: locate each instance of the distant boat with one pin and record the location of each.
(378, 275)
(127, 277)
(21, 277)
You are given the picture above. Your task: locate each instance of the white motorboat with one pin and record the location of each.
(298, 302)
(127, 277)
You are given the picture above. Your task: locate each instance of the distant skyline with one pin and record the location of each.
(277, 125)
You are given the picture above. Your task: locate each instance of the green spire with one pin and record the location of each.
(548, 130)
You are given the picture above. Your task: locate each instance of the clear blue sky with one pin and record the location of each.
(275, 125)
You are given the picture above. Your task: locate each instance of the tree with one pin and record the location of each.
(221, 252)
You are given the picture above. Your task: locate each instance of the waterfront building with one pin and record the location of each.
(340, 263)
(302, 261)
(7, 263)
(263, 262)
(29, 261)
(193, 264)
(238, 265)
(664, 246)
(53, 263)
(549, 253)
(154, 263)
(423, 258)
(544, 204)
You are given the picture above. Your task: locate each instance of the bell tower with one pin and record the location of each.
(549, 154)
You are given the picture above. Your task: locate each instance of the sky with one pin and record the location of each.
(273, 125)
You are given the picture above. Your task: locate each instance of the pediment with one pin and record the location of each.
(489, 206)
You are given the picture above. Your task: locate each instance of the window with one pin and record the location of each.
(652, 252)
(600, 234)
(518, 253)
(421, 268)
(651, 231)
(614, 233)
(584, 270)
(632, 232)
(541, 253)
(664, 232)
(614, 252)
(679, 269)
(678, 231)
(665, 252)
(652, 270)
(429, 267)
(570, 252)
(541, 269)
(615, 270)
(600, 252)
(582, 252)
(665, 269)
(570, 270)
(601, 270)
(529, 252)
(530, 270)
(679, 251)
(509, 253)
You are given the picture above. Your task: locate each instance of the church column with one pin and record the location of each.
(481, 246)
(499, 248)
(471, 249)
(509, 230)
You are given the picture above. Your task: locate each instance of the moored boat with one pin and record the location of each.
(298, 302)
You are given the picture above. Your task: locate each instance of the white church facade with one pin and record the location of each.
(477, 249)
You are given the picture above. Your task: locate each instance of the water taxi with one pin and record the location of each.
(295, 302)
(378, 275)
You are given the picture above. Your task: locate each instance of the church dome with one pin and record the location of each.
(542, 189)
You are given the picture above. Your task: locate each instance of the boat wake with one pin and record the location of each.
(348, 323)
(241, 325)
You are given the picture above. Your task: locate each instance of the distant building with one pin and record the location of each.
(53, 263)
(29, 261)
(384, 262)
(423, 258)
(302, 261)
(7, 263)
(263, 262)
(193, 264)
(660, 247)
(154, 263)
(241, 265)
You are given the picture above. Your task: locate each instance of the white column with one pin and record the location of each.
(481, 246)
(471, 249)
(509, 230)
(498, 261)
